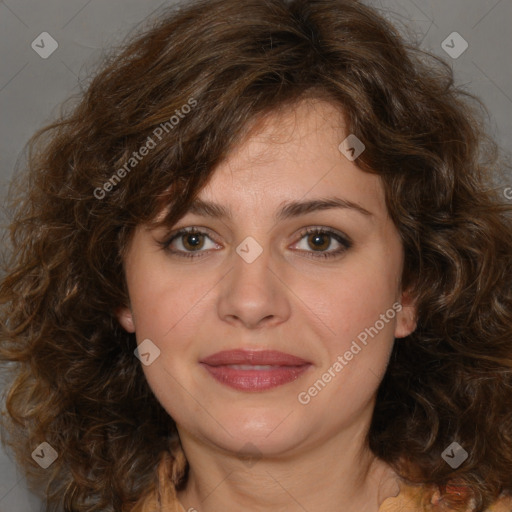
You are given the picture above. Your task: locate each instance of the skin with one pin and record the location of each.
(309, 457)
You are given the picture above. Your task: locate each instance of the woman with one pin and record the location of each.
(261, 266)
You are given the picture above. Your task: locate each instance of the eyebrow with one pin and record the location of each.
(288, 210)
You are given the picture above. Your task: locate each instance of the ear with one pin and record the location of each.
(125, 318)
(406, 318)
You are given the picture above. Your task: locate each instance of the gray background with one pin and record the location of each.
(31, 88)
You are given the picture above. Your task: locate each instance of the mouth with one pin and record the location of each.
(248, 370)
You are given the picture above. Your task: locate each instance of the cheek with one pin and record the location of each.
(361, 318)
(352, 300)
(163, 300)
(169, 311)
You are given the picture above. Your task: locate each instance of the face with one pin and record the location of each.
(318, 281)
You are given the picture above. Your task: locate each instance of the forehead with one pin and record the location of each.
(290, 154)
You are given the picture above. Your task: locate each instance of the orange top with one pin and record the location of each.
(164, 497)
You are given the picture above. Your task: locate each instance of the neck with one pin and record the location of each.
(338, 474)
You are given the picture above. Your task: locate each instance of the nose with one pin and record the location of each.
(254, 294)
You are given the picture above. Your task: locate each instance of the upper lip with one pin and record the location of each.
(253, 357)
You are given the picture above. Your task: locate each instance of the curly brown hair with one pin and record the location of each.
(74, 380)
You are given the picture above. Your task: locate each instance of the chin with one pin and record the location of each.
(264, 433)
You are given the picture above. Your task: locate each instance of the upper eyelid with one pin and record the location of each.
(189, 229)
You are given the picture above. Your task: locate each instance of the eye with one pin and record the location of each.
(320, 239)
(189, 240)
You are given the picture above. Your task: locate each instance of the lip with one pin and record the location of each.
(280, 368)
(253, 357)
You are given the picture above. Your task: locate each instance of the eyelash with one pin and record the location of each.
(345, 242)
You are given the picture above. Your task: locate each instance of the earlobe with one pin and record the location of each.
(125, 318)
(406, 318)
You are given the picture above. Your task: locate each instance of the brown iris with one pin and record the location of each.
(314, 237)
(196, 241)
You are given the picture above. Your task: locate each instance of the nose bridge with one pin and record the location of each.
(251, 292)
(251, 273)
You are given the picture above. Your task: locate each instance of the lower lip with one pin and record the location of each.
(255, 380)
